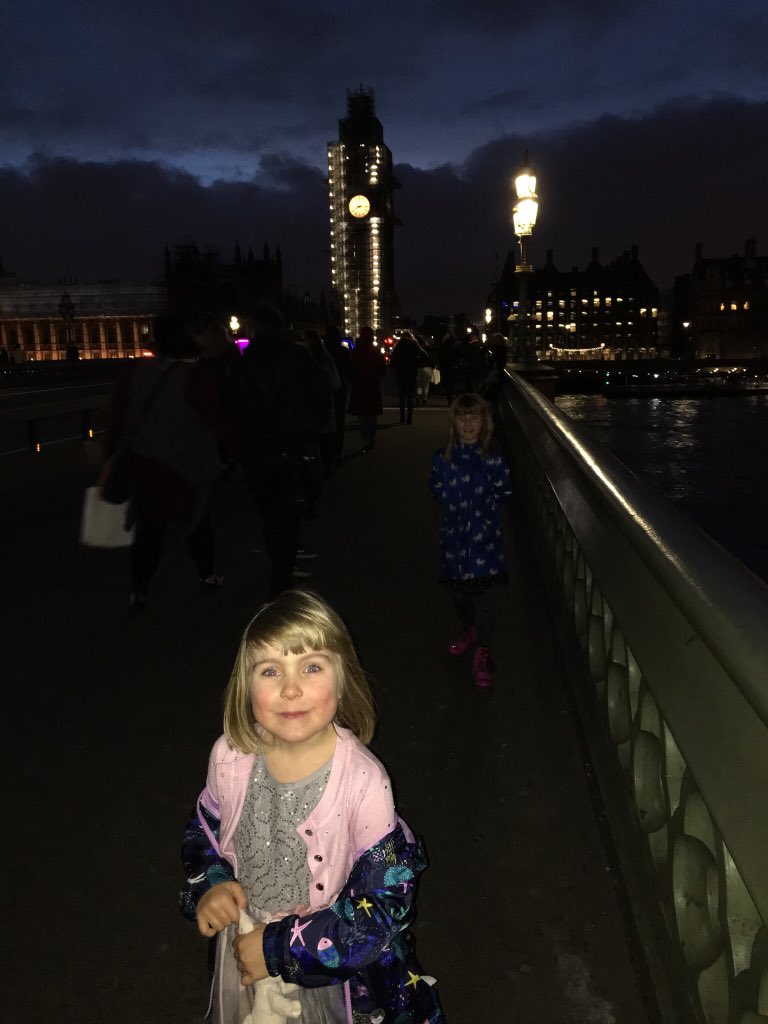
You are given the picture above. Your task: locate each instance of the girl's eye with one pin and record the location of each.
(269, 671)
(313, 667)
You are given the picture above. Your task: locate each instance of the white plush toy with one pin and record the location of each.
(271, 1004)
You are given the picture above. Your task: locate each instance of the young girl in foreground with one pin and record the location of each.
(470, 479)
(297, 825)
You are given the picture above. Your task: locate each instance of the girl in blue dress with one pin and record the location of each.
(470, 479)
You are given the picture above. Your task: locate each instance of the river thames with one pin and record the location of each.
(708, 455)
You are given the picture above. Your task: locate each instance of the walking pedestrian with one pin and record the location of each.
(406, 358)
(341, 357)
(448, 356)
(367, 369)
(279, 399)
(425, 371)
(175, 452)
(296, 825)
(470, 479)
(327, 441)
(478, 363)
(498, 351)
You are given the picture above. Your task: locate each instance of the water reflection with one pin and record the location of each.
(706, 454)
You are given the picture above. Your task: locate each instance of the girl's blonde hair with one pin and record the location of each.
(297, 621)
(470, 402)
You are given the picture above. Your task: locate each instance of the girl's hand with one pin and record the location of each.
(249, 956)
(220, 907)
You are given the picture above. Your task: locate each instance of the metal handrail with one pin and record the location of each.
(673, 632)
(725, 601)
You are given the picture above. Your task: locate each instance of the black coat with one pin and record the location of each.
(278, 395)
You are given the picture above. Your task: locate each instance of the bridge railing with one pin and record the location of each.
(57, 372)
(666, 639)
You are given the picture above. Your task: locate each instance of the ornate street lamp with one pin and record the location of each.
(524, 218)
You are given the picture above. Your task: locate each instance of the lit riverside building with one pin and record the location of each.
(360, 186)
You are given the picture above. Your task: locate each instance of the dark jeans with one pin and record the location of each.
(448, 383)
(368, 425)
(476, 610)
(147, 549)
(340, 415)
(271, 477)
(406, 390)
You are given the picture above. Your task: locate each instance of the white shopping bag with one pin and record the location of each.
(103, 525)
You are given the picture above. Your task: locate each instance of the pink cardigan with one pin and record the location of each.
(355, 811)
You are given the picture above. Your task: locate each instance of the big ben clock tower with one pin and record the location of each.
(360, 186)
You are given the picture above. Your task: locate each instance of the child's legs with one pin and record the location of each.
(485, 605)
(464, 607)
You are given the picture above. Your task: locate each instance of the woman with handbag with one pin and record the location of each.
(168, 411)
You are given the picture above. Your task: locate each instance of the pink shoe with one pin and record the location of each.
(482, 668)
(463, 642)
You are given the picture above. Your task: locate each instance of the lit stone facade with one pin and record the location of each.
(721, 307)
(602, 312)
(362, 220)
(102, 321)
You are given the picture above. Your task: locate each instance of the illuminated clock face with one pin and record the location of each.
(359, 206)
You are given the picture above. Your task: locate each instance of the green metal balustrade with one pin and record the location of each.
(666, 636)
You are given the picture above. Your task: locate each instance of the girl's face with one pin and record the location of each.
(468, 426)
(294, 696)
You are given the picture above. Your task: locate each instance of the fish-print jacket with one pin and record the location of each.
(471, 488)
(363, 861)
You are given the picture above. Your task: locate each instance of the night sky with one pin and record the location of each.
(123, 128)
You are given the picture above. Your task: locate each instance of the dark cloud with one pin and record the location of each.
(689, 172)
(175, 80)
(91, 221)
(497, 15)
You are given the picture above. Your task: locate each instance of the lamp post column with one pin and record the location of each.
(522, 271)
(524, 215)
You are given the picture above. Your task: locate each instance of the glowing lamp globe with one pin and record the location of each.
(525, 184)
(524, 216)
(527, 205)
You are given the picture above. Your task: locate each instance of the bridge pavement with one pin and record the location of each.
(108, 724)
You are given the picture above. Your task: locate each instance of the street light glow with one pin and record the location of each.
(527, 205)
(524, 216)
